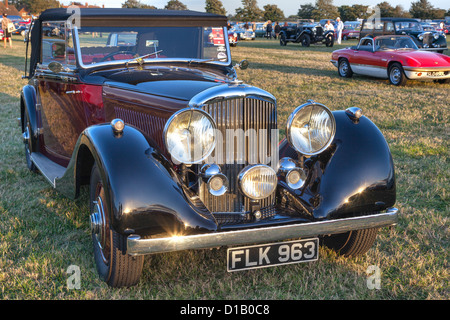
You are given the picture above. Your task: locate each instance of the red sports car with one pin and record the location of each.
(396, 58)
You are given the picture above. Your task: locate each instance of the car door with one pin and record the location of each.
(366, 60)
(61, 114)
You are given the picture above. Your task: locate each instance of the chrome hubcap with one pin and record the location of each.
(395, 75)
(26, 136)
(343, 68)
(97, 222)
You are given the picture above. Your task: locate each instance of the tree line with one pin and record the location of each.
(250, 11)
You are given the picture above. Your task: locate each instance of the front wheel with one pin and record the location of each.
(344, 68)
(396, 75)
(283, 41)
(114, 265)
(352, 243)
(305, 40)
(27, 136)
(329, 42)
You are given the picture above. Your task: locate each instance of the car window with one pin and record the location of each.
(100, 44)
(389, 26)
(368, 26)
(394, 43)
(379, 26)
(57, 44)
(408, 26)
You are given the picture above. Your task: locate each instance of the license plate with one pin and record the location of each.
(273, 254)
(435, 74)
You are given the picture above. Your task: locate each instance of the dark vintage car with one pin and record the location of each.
(425, 40)
(147, 111)
(306, 34)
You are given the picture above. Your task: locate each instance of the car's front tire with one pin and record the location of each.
(397, 75)
(27, 136)
(305, 40)
(344, 68)
(114, 265)
(329, 42)
(352, 243)
(283, 41)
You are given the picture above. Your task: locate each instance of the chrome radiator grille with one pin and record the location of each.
(246, 125)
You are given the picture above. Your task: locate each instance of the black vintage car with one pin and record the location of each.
(306, 34)
(145, 108)
(430, 40)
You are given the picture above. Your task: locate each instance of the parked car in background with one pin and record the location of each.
(1, 34)
(177, 153)
(232, 38)
(243, 34)
(260, 30)
(306, 34)
(396, 58)
(425, 40)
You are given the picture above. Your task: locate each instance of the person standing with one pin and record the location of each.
(277, 29)
(6, 34)
(339, 28)
(269, 29)
(328, 26)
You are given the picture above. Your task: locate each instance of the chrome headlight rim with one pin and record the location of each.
(291, 119)
(246, 171)
(177, 115)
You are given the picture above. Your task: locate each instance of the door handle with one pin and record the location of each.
(73, 92)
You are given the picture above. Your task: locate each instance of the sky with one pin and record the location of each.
(289, 7)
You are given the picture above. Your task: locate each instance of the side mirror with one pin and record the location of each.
(55, 67)
(242, 65)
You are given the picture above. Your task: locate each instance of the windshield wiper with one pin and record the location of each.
(201, 60)
(140, 59)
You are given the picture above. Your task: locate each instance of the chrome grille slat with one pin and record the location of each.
(245, 114)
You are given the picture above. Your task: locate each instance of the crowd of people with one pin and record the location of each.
(272, 30)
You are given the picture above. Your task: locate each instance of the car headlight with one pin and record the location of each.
(311, 128)
(420, 37)
(258, 181)
(189, 135)
(436, 36)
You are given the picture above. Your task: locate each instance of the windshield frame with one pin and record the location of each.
(77, 48)
(377, 48)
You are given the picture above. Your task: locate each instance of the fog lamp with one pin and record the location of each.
(295, 178)
(258, 181)
(216, 182)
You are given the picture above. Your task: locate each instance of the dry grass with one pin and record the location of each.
(42, 233)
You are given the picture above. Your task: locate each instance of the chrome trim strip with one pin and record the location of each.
(426, 69)
(138, 246)
(229, 91)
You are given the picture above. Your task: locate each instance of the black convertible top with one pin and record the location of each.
(98, 14)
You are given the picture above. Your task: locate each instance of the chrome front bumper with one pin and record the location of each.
(417, 73)
(138, 246)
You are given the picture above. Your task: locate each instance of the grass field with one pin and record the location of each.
(42, 233)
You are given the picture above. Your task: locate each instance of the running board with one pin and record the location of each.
(49, 169)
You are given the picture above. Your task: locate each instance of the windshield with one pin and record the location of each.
(408, 26)
(103, 44)
(394, 43)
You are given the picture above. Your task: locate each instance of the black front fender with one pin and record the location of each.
(143, 194)
(355, 175)
(28, 104)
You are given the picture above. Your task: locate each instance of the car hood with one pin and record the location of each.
(170, 82)
(420, 58)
